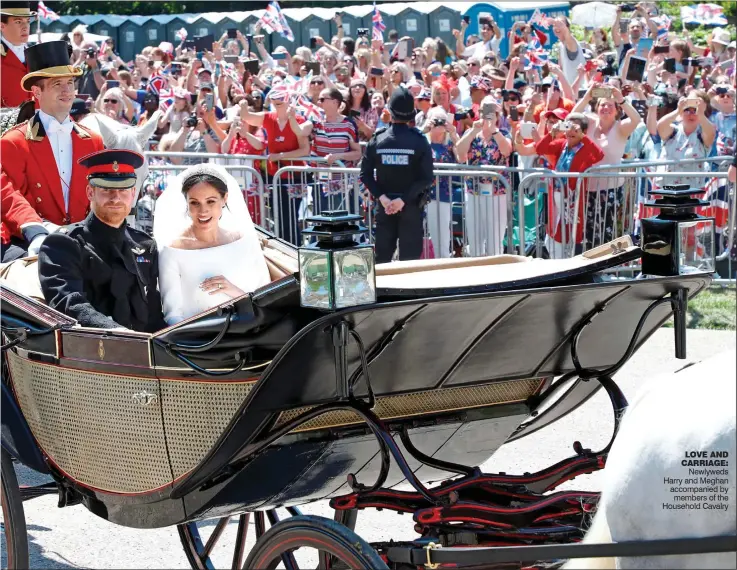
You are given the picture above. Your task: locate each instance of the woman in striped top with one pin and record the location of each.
(335, 138)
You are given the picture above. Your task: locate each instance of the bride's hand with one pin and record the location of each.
(219, 284)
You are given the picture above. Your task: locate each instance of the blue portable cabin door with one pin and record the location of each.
(442, 22)
(314, 25)
(351, 22)
(202, 27)
(278, 40)
(153, 32)
(412, 23)
(130, 38)
(248, 26)
(478, 11)
(172, 28)
(108, 27)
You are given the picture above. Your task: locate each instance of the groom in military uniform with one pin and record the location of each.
(41, 184)
(101, 271)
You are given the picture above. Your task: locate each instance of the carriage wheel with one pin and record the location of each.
(14, 521)
(210, 548)
(319, 541)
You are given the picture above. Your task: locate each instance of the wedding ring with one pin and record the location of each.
(220, 285)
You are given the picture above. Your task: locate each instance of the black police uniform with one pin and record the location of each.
(100, 275)
(402, 158)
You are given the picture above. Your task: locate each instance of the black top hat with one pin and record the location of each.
(113, 168)
(48, 59)
(17, 9)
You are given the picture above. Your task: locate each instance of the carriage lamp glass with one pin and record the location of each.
(336, 271)
(677, 241)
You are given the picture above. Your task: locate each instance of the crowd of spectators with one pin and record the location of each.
(632, 91)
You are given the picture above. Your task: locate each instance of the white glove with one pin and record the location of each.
(36, 244)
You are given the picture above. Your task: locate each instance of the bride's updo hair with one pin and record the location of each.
(207, 175)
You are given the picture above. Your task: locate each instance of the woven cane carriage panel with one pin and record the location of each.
(195, 415)
(104, 430)
(427, 402)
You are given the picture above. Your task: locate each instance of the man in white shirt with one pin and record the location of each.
(490, 39)
(15, 24)
(570, 53)
(41, 188)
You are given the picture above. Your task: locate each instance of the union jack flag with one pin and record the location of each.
(663, 23)
(166, 99)
(274, 21)
(379, 26)
(46, 13)
(536, 55)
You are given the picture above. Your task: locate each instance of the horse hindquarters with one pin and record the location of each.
(597, 534)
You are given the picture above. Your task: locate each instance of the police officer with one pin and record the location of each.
(100, 271)
(403, 162)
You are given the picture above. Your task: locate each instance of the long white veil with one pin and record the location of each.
(171, 219)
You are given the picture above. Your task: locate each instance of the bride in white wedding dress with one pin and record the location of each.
(209, 250)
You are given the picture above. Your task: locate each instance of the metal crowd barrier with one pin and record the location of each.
(476, 210)
(580, 218)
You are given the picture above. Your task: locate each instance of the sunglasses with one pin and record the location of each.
(690, 110)
(322, 99)
(110, 101)
(474, 64)
(317, 82)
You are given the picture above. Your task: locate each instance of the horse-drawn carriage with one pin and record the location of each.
(268, 403)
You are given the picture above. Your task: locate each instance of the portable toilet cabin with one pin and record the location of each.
(505, 14)
(318, 22)
(294, 17)
(59, 26)
(173, 24)
(131, 38)
(351, 22)
(248, 26)
(443, 18)
(410, 21)
(153, 31)
(522, 12)
(205, 24)
(107, 26)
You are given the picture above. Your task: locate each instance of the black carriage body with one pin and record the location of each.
(124, 422)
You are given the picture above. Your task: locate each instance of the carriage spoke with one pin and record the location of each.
(240, 541)
(215, 536)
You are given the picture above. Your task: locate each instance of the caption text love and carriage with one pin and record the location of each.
(703, 483)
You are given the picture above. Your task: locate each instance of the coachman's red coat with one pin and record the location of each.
(11, 71)
(30, 186)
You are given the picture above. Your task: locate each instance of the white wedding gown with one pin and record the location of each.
(181, 271)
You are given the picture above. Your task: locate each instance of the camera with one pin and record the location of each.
(627, 8)
(608, 69)
(438, 122)
(192, 120)
(91, 53)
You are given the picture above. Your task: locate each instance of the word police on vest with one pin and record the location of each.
(395, 156)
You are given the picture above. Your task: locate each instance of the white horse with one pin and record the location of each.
(676, 415)
(117, 135)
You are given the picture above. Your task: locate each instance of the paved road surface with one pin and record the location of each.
(74, 538)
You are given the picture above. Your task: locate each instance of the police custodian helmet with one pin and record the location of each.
(402, 105)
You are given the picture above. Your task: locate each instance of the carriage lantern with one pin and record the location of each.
(336, 271)
(677, 241)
